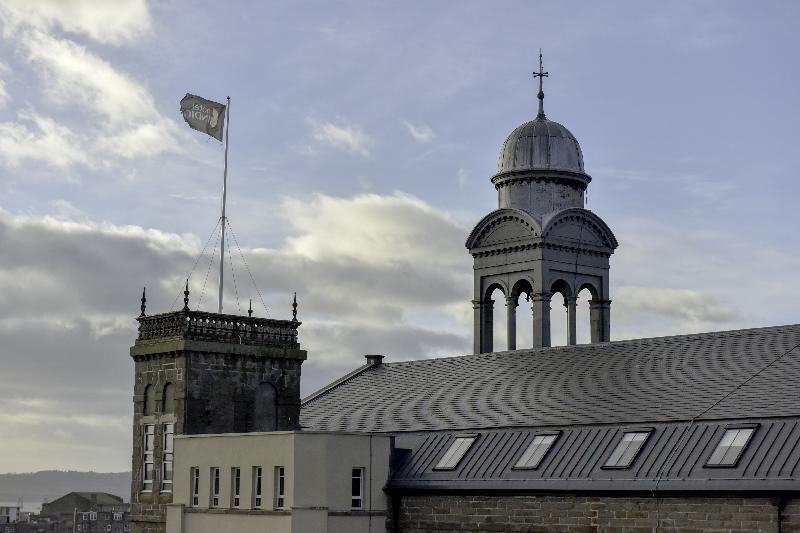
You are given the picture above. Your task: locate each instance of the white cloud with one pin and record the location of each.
(5, 72)
(106, 22)
(37, 138)
(421, 133)
(342, 137)
(74, 77)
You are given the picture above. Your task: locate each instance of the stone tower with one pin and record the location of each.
(540, 240)
(200, 373)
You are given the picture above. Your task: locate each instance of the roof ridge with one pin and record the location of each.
(332, 385)
(721, 333)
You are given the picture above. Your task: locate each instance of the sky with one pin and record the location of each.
(363, 136)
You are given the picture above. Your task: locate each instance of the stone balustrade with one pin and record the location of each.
(213, 327)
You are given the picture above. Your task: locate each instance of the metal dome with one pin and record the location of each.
(541, 144)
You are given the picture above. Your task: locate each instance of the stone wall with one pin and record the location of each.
(623, 514)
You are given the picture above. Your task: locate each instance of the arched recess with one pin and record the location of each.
(168, 399)
(265, 408)
(559, 316)
(149, 400)
(497, 294)
(583, 325)
(523, 318)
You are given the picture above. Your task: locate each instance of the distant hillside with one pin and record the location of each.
(51, 484)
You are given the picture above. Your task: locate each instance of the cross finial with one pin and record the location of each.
(294, 308)
(541, 74)
(186, 296)
(144, 301)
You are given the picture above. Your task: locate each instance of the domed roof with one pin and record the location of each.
(541, 144)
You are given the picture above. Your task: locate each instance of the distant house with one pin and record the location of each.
(87, 512)
(10, 513)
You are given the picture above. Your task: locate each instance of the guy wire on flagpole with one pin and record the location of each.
(224, 193)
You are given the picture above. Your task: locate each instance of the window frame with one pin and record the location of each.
(753, 427)
(554, 434)
(258, 487)
(167, 457)
(148, 457)
(236, 487)
(452, 450)
(357, 473)
(647, 431)
(194, 485)
(215, 484)
(279, 502)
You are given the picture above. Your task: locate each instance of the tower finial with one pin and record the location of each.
(186, 296)
(250, 310)
(294, 308)
(541, 74)
(144, 301)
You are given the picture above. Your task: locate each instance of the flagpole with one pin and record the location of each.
(224, 194)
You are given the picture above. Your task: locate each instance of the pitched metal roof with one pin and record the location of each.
(749, 373)
(674, 457)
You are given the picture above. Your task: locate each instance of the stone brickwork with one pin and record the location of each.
(226, 374)
(606, 514)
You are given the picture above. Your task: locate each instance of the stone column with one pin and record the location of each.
(511, 322)
(571, 303)
(540, 305)
(601, 320)
(483, 325)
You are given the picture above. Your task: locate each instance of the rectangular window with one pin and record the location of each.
(236, 487)
(455, 453)
(147, 457)
(166, 462)
(195, 484)
(731, 446)
(280, 488)
(257, 472)
(214, 486)
(357, 490)
(627, 449)
(536, 451)
(93, 516)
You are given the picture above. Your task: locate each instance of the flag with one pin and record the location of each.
(203, 115)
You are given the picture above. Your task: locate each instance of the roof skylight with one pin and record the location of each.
(456, 452)
(731, 446)
(536, 451)
(627, 449)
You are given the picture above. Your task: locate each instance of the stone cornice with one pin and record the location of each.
(499, 250)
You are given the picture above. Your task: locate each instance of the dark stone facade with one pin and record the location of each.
(595, 513)
(217, 368)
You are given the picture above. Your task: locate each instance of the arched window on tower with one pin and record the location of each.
(265, 409)
(583, 319)
(558, 320)
(523, 317)
(499, 318)
(559, 316)
(168, 399)
(149, 400)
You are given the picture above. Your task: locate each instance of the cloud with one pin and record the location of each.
(342, 137)
(74, 77)
(421, 133)
(106, 22)
(5, 72)
(37, 138)
(110, 115)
